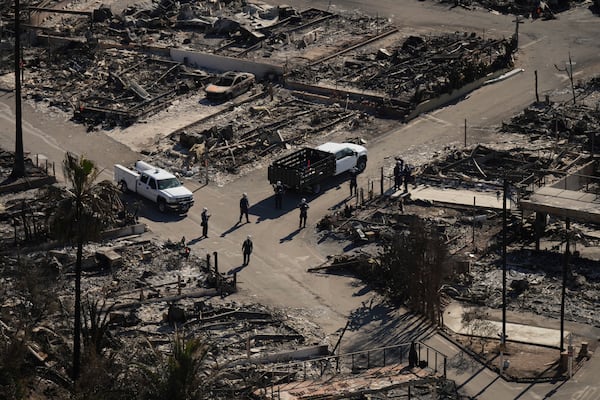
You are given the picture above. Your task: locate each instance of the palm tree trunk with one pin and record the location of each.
(19, 166)
(78, 261)
(77, 327)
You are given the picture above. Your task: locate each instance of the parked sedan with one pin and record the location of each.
(229, 85)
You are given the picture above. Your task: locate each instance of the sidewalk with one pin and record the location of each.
(464, 197)
(492, 328)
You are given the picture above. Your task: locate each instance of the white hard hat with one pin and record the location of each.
(245, 194)
(205, 209)
(249, 237)
(279, 182)
(304, 200)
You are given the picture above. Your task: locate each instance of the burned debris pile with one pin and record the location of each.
(235, 29)
(571, 124)
(107, 87)
(251, 131)
(135, 308)
(534, 8)
(376, 225)
(485, 168)
(535, 281)
(416, 70)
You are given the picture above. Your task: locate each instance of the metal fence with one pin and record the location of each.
(428, 358)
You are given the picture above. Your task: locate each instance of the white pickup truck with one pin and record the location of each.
(155, 184)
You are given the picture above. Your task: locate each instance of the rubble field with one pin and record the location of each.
(148, 288)
(527, 9)
(145, 291)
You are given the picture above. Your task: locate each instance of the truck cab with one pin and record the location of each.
(347, 156)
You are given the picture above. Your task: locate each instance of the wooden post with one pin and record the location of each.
(381, 184)
(465, 132)
(206, 163)
(216, 262)
(537, 96)
(571, 78)
(473, 240)
(564, 285)
(504, 262)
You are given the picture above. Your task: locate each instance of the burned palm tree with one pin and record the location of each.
(80, 216)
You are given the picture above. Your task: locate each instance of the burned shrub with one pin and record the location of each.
(414, 265)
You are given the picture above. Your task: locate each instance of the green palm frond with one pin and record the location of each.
(87, 208)
(182, 375)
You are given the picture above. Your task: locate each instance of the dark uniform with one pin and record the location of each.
(204, 216)
(398, 172)
(244, 205)
(303, 213)
(247, 249)
(407, 177)
(353, 184)
(279, 189)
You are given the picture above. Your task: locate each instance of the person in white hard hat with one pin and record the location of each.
(204, 223)
(303, 206)
(247, 249)
(279, 189)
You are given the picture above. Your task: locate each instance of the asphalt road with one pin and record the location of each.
(277, 273)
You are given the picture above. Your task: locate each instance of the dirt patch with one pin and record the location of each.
(522, 362)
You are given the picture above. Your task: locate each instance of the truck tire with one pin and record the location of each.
(361, 164)
(162, 205)
(123, 186)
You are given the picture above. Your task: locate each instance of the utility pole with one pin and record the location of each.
(19, 166)
(473, 225)
(564, 287)
(503, 333)
(465, 132)
(503, 337)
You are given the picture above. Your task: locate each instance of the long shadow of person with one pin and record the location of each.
(232, 229)
(290, 236)
(236, 269)
(195, 240)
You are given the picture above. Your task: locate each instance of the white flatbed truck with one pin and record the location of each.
(306, 168)
(155, 184)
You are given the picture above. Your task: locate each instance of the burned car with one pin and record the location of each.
(229, 85)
